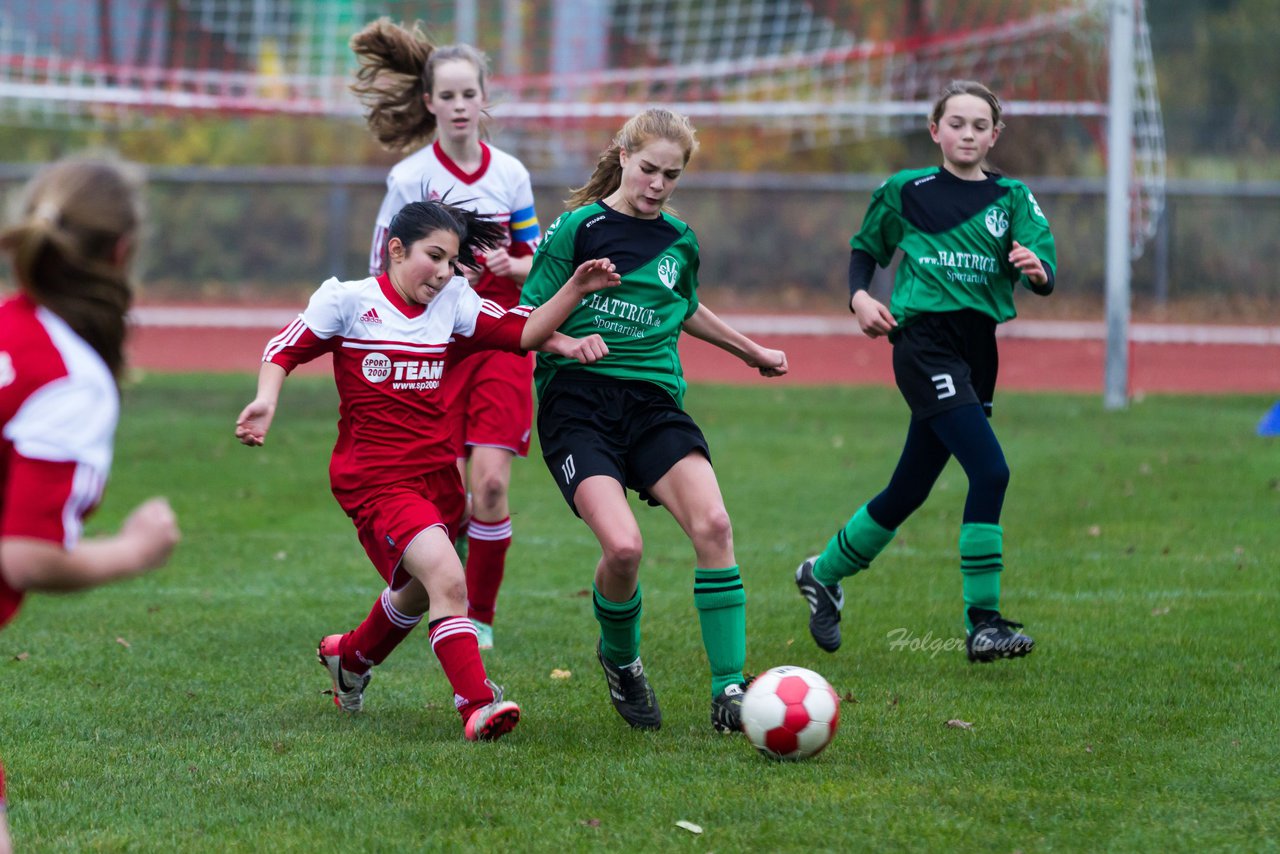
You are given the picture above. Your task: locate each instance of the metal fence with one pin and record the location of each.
(272, 234)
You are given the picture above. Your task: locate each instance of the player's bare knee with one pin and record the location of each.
(487, 494)
(621, 556)
(712, 530)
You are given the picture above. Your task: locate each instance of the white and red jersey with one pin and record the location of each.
(499, 190)
(59, 405)
(389, 359)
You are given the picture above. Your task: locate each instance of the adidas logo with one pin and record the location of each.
(370, 316)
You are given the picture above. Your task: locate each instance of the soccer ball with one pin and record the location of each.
(790, 713)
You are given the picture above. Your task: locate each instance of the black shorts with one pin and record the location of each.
(629, 430)
(946, 360)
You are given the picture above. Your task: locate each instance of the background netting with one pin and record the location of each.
(801, 75)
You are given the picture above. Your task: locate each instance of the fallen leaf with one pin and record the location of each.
(1088, 748)
(689, 826)
(959, 724)
(1159, 612)
(124, 643)
(557, 673)
(1095, 530)
(22, 656)
(582, 594)
(282, 555)
(848, 697)
(589, 822)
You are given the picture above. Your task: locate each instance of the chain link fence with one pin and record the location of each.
(780, 241)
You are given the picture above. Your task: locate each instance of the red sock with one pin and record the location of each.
(487, 544)
(453, 640)
(373, 640)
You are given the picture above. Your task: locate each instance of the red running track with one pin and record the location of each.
(1025, 363)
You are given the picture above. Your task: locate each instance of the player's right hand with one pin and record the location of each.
(152, 528)
(874, 319)
(254, 422)
(595, 275)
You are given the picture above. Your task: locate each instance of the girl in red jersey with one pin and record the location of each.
(394, 338)
(61, 353)
(433, 99)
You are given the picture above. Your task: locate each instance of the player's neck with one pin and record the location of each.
(466, 154)
(965, 173)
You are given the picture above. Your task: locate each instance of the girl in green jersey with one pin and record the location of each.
(968, 238)
(619, 423)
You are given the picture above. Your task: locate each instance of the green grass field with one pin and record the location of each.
(183, 711)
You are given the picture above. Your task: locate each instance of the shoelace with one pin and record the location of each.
(497, 692)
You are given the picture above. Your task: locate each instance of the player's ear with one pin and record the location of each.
(122, 252)
(395, 249)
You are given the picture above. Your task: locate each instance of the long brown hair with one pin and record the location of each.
(397, 68)
(70, 244)
(640, 129)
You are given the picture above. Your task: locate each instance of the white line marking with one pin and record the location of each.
(232, 317)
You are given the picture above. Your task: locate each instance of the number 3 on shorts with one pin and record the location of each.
(945, 385)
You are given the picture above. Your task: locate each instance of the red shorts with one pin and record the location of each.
(489, 398)
(389, 517)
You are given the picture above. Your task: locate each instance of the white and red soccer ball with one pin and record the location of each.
(790, 713)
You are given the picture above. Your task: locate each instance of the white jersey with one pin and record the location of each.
(499, 190)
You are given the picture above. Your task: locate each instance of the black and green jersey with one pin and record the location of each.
(955, 236)
(640, 319)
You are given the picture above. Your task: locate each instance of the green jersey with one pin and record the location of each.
(639, 319)
(955, 236)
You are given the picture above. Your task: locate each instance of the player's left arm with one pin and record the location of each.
(705, 325)
(1033, 252)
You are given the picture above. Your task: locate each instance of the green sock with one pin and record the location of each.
(852, 549)
(981, 559)
(722, 607)
(619, 626)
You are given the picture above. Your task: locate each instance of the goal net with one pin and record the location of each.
(568, 72)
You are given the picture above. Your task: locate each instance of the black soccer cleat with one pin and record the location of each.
(825, 603)
(993, 637)
(726, 708)
(631, 693)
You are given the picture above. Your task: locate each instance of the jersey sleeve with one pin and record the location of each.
(552, 264)
(691, 272)
(314, 332)
(525, 231)
(59, 458)
(881, 230)
(483, 324)
(1030, 227)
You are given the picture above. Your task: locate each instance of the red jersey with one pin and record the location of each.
(389, 358)
(59, 405)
